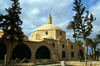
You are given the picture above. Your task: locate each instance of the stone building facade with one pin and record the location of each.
(47, 42)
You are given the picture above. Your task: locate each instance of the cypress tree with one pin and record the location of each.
(11, 25)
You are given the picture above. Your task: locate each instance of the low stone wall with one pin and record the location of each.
(77, 63)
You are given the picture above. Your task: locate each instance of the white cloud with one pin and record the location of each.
(4, 4)
(95, 10)
(35, 13)
(95, 32)
(91, 1)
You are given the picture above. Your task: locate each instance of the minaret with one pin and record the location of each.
(49, 19)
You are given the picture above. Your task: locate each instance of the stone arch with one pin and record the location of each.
(42, 53)
(21, 51)
(3, 50)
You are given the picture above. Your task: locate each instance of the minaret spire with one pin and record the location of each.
(49, 19)
(49, 15)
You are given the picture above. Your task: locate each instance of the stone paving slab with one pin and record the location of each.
(32, 64)
(27, 64)
(50, 65)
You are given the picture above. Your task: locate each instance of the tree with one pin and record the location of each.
(87, 43)
(83, 23)
(94, 46)
(79, 44)
(72, 26)
(96, 42)
(98, 53)
(10, 24)
(98, 38)
(91, 45)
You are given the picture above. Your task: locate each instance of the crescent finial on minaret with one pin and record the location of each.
(49, 15)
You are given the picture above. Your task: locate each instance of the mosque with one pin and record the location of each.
(46, 42)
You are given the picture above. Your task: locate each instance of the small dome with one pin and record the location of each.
(48, 27)
(1, 30)
(47, 36)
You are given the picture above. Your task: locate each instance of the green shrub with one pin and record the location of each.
(25, 60)
(82, 58)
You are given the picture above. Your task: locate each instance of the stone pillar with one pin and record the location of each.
(32, 54)
(5, 59)
(63, 63)
(58, 51)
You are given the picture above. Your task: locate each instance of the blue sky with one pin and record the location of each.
(35, 14)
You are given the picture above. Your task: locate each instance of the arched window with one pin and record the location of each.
(46, 33)
(71, 46)
(63, 46)
(53, 45)
(61, 33)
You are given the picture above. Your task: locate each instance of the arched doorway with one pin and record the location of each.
(81, 53)
(42, 53)
(21, 51)
(3, 50)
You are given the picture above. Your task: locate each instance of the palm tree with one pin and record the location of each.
(96, 42)
(91, 45)
(97, 53)
(79, 44)
(94, 46)
(98, 38)
(72, 26)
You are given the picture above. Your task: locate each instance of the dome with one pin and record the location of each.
(48, 27)
(47, 36)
